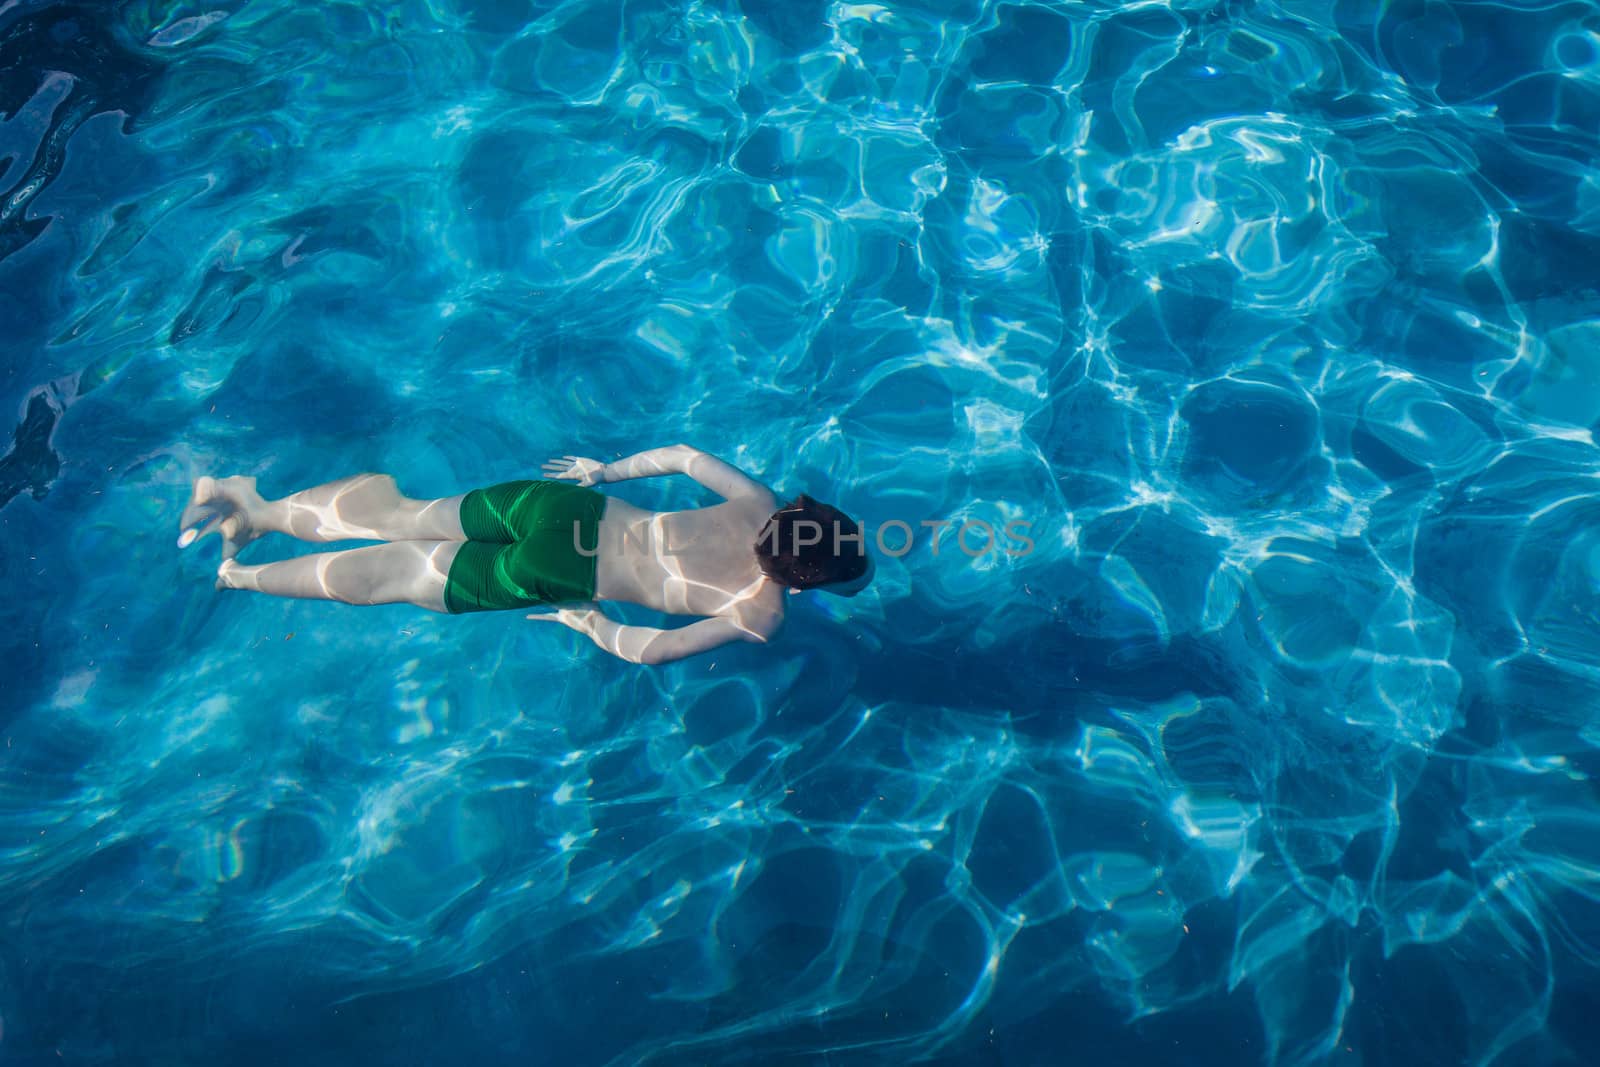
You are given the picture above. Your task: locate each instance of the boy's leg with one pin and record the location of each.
(403, 572)
(367, 507)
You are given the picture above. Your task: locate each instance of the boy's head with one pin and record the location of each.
(808, 545)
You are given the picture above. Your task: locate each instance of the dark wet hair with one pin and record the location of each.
(807, 543)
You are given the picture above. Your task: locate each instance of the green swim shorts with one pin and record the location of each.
(523, 547)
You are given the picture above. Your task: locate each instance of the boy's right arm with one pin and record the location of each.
(647, 644)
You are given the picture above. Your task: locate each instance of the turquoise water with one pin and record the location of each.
(1277, 323)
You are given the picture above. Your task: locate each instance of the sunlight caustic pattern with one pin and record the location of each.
(1276, 321)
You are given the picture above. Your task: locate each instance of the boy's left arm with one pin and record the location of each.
(719, 476)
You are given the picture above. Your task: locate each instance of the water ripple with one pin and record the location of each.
(1272, 324)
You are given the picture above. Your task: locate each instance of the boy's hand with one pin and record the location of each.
(576, 469)
(581, 619)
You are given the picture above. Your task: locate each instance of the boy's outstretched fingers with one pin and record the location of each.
(559, 615)
(582, 619)
(578, 469)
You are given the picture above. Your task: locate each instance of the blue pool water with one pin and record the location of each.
(1278, 323)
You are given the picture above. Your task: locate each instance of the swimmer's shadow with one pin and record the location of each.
(1049, 675)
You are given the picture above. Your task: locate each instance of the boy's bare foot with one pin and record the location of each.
(229, 506)
(225, 574)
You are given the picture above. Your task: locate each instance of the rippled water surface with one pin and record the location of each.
(1278, 322)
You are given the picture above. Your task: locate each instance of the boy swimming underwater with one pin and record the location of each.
(554, 544)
